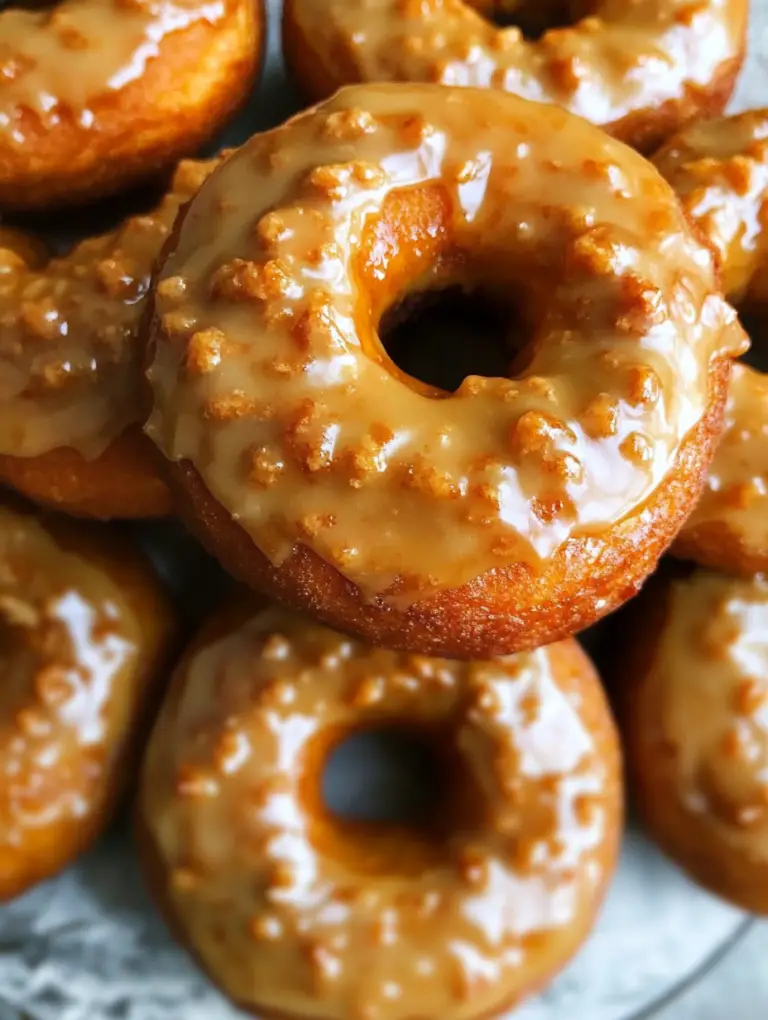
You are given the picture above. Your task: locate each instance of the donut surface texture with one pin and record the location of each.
(298, 913)
(719, 169)
(98, 94)
(639, 69)
(85, 630)
(694, 714)
(503, 515)
(70, 379)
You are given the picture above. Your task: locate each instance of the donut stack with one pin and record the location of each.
(409, 554)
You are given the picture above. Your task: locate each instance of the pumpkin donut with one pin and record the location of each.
(638, 70)
(694, 713)
(84, 631)
(98, 94)
(719, 168)
(501, 516)
(295, 912)
(70, 407)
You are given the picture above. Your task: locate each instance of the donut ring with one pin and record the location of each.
(497, 518)
(71, 402)
(719, 169)
(693, 696)
(90, 100)
(638, 73)
(84, 631)
(296, 913)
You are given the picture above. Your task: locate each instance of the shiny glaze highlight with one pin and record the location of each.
(719, 168)
(695, 715)
(269, 375)
(639, 69)
(297, 913)
(81, 636)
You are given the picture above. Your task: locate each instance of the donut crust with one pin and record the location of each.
(198, 80)
(507, 609)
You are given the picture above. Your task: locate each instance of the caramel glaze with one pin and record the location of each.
(719, 169)
(95, 94)
(84, 630)
(298, 913)
(70, 402)
(271, 381)
(640, 69)
(694, 710)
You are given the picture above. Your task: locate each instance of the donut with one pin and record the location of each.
(719, 168)
(693, 693)
(70, 380)
(85, 630)
(638, 70)
(296, 912)
(492, 519)
(96, 95)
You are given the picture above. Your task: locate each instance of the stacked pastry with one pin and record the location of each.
(429, 552)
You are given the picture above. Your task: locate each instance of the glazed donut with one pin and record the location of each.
(98, 94)
(489, 520)
(297, 913)
(84, 631)
(693, 697)
(70, 407)
(640, 70)
(719, 169)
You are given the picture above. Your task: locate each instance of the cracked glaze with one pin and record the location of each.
(296, 912)
(270, 377)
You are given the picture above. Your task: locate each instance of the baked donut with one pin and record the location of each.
(719, 168)
(98, 94)
(638, 70)
(693, 697)
(84, 631)
(501, 516)
(70, 407)
(295, 912)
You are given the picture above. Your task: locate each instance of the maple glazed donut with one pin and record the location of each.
(97, 94)
(638, 70)
(498, 517)
(85, 630)
(694, 711)
(296, 912)
(719, 168)
(70, 381)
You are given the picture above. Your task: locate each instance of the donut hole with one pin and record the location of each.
(441, 337)
(534, 18)
(387, 799)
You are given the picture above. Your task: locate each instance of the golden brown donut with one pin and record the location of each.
(719, 168)
(639, 70)
(297, 913)
(98, 94)
(84, 631)
(496, 518)
(70, 394)
(694, 714)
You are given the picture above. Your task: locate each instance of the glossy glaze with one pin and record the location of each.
(611, 61)
(719, 168)
(697, 722)
(298, 913)
(270, 377)
(56, 62)
(76, 660)
(69, 360)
